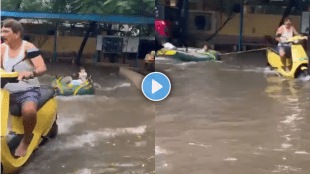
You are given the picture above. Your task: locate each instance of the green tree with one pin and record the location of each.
(116, 7)
(60, 6)
(130, 7)
(87, 6)
(11, 4)
(102, 7)
(25, 5)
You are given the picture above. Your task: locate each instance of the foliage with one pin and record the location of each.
(103, 7)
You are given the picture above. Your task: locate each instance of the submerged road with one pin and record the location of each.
(234, 117)
(109, 132)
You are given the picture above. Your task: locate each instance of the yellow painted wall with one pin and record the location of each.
(69, 43)
(257, 25)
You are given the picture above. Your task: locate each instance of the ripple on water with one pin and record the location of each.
(159, 150)
(93, 138)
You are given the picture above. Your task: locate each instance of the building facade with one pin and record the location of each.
(261, 19)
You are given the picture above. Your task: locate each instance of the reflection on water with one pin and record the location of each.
(223, 118)
(109, 132)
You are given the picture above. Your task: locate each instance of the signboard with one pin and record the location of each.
(112, 44)
(305, 20)
(130, 44)
(116, 44)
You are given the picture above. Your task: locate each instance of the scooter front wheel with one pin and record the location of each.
(303, 73)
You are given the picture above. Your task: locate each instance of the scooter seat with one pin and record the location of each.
(47, 92)
(274, 49)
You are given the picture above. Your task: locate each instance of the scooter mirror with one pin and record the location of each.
(32, 53)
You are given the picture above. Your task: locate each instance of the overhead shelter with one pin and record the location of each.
(117, 19)
(121, 19)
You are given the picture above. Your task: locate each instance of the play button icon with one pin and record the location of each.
(156, 86)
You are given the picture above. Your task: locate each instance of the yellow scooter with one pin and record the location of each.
(299, 59)
(45, 129)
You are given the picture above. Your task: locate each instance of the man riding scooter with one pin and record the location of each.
(27, 91)
(285, 32)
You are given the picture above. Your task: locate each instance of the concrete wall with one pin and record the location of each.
(257, 25)
(64, 43)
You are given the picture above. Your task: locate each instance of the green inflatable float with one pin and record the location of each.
(63, 87)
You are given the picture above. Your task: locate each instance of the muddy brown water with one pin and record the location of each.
(109, 132)
(235, 117)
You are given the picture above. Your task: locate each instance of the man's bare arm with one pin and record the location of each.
(295, 32)
(278, 34)
(298, 34)
(2, 55)
(38, 62)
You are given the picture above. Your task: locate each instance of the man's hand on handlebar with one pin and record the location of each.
(305, 37)
(296, 39)
(25, 75)
(301, 37)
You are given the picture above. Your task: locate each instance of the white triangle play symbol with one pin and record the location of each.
(155, 86)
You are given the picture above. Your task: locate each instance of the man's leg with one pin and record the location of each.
(288, 53)
(29, 116)
(283, 55)
(28, 101)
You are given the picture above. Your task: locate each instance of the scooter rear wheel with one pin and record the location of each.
(51, 134)
(54, 131)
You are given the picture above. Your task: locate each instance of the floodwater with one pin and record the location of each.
(110, 132)
(235, 117)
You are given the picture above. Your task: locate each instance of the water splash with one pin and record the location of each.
(93, 138)
(83, 171)
(230, 159)
(282, 168)
(199, 144)
(65, 123)
(183, 64)
(115, 87)
(301, 153)
(161, 58)
(75, 97)
(87, 98)
(256, 70)
(306, 78)
(159, 150)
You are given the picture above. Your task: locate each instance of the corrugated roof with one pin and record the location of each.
(81, 17)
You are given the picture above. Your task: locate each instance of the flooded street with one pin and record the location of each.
(110, 132)
(233, 118)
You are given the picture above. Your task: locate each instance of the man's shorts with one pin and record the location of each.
(287, 50)
(20, 98)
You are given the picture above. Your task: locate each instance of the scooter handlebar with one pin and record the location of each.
(9, 77)
(296, 39)
(5, 74)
